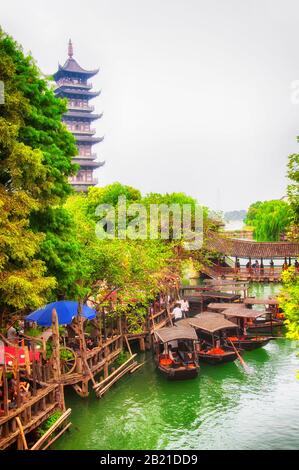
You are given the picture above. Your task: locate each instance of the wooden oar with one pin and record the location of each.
(239, 356)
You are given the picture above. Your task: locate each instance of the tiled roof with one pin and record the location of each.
(71, 65)
(251, 249)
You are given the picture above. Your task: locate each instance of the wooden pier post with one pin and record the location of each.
(56, 359)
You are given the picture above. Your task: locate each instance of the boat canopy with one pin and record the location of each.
(222, 306)
(254, 301)
(210, 322)
(242, 312)
(175, 333)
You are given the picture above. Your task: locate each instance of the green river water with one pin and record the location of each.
(224, 408)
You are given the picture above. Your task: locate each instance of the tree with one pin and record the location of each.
(293, 188)
(35, 161)
(269, 219)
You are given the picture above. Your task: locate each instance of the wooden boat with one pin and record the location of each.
(260, 321)
(271, 307)
(247, 342)
(211, 329)
(175, 353)
(246, 319)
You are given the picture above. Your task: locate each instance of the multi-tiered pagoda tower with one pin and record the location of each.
(72, 83)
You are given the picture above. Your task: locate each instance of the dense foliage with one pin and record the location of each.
(35, 161)
(269, 219)
(289, 301)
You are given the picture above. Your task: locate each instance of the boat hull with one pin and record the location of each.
(265, 327)
(215, 359)
(180, 373)
(251, 344)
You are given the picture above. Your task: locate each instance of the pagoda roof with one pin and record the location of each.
(84, 115)
(84, 163)
(72, 67)
(71, 91)
(88, 139)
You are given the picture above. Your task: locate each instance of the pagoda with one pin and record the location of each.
(73, 83)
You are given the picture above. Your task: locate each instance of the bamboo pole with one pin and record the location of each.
(56, 358)
(128, 345)
(22, 434)
(239, 356)
(17, 357)
(33, 369)
(57, 436)
(100, 392)
(99, 385)
(48, 433)
(5, 389)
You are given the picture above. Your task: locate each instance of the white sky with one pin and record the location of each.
(196, 94)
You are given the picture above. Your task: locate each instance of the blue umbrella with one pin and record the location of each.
(66, 312)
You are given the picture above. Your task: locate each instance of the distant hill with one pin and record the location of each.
(235, 215)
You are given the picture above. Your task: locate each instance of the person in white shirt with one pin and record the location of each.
(184, 307)
(177, 313)
(11, 333)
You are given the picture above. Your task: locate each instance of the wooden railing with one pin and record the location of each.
(28, 416)
(267, 272)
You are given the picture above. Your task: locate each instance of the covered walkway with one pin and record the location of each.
(251, 251)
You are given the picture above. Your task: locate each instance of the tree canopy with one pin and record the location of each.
(35, 161)
(269, 219)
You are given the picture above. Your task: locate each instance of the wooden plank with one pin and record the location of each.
(48, 433)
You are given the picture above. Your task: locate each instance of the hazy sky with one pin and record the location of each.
(196, 94)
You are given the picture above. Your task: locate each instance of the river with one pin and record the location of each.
(224, 408)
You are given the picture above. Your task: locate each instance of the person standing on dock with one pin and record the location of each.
(184, 307)
(177, 313)
(271, 267)
(285, 265)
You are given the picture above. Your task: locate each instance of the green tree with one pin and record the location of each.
(35, 161)
(269, 219)
(293, 191)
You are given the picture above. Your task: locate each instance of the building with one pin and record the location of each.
(73, 83)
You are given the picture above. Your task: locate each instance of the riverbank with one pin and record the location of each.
(223, 408)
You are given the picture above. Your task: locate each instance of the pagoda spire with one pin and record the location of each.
(70, 49)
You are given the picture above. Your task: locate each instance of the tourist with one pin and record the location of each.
(237, 265)
(11, 333)
(185, 307)
(256, 267)
(248, 267)
(285, 265)
(177, 313)
(262, 268)
(271, 271)
(296, 265)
